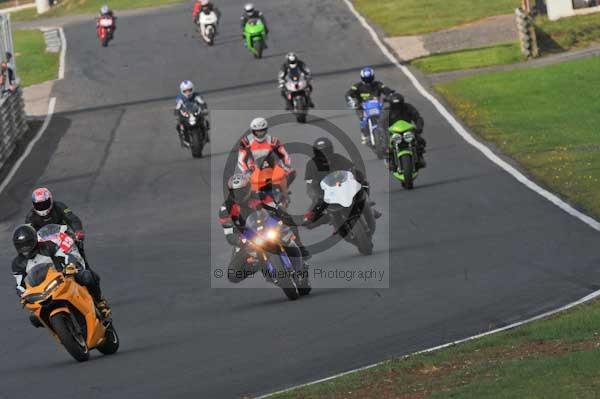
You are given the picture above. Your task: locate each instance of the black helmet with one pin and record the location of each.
(396, 100)
(322, 147)
(25, 240)
(239, 187)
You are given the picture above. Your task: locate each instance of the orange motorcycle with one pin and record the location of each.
(64, 307)
(270, 179)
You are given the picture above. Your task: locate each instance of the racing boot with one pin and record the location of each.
(103, 308)
(35, 321)
(420, 164)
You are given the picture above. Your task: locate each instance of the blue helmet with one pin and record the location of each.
(367, 74)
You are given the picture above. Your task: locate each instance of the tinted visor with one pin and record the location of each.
(43, 205)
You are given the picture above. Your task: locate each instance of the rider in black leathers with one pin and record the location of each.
(324, 162)
(26, 243)
(401, 110)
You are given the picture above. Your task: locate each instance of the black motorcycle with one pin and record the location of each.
(194, 134)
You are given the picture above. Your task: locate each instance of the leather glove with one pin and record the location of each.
(308, 217)
(80, 235)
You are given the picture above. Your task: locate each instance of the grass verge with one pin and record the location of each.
(34, 64)
(507, 53)
(568, 33)
(556, 358)
(412, 17)
(74, 7)
(545, 118)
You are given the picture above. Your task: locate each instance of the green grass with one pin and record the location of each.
(546, 118)
(73, 7)
(34, 64)
(411, 17)
(556, 358)
(508, 53)
(568, 33)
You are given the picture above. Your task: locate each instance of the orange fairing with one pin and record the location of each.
(57, 291)
(263, 177)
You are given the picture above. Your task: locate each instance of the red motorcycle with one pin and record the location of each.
(105, 27)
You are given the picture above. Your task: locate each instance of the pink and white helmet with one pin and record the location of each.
(42, 201)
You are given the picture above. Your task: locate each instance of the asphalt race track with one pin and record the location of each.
(468, 250)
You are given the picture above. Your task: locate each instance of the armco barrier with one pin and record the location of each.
(12, 123)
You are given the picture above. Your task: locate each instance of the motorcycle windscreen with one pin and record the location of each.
(37, 275)
(340, 187)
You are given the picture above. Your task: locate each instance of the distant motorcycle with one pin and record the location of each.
(255, 36)
(207, 22)
(105, 29)
(349, 209)
(266, 238)
(195, 132)
(297, 91)
(403, 152)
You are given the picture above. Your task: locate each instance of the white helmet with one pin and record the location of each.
(104, 10)
(292, 60)
(249, 8)
(186, 86)
(259, 127)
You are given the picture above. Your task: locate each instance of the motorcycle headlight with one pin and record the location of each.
(396, 138)
(409, 136)
(259, 241)
(52, 286)
(272, 235)
(33, 298)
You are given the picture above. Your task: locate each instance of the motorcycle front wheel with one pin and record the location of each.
(197, 144)
(73, 342)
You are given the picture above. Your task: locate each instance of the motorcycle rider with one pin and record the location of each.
(324, 162)
(401, 110)
(187, 96)
(206, 6)
(106, 12)
(233, 214)
(47, 211)
(259, 143)
(368, 87)
(251, 13)
(293, 63)
(29, 249)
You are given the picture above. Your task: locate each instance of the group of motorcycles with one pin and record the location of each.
(397, 142)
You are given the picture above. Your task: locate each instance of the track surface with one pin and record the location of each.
(470, 248)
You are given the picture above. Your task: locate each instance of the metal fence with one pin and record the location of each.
(13, 124)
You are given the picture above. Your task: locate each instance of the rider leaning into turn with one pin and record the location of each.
(186, 97)
(251, 13)
(367, 88)
(293, 63)
(401, 110)
(233, 214)
(324, 162)
(29, 249)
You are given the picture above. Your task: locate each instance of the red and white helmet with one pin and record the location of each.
(42, 201)
(204, 3)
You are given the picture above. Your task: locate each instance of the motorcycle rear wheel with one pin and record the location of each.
(111, 343)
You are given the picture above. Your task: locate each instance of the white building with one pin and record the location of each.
(568, 8)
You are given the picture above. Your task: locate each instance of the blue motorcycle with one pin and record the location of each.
(267, 238)
(372, 109)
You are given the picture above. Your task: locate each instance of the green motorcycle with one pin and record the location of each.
(255, 36)
(403, 152)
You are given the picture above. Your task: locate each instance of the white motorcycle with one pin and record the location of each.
(349, 209)
(208, 26)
